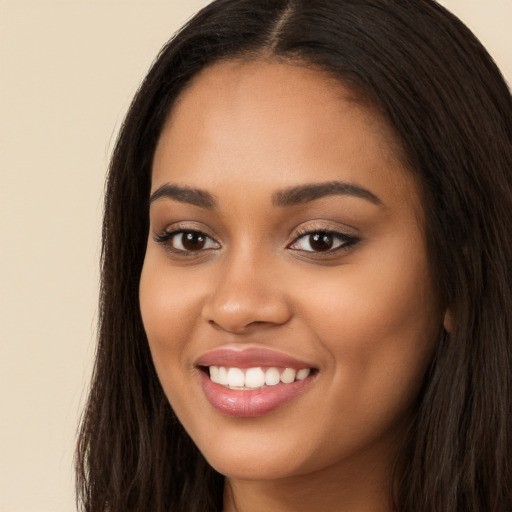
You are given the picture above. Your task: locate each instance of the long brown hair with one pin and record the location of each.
(452, 111)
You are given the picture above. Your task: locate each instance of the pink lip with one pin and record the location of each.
(250, 403)
(250, 357)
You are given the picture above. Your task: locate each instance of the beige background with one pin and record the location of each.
(68, 69)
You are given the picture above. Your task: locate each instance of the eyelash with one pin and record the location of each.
(345, 241)
(166, 238)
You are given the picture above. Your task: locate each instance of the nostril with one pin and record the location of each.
(242, 328)
(238, 310)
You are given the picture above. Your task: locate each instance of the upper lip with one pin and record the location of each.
(249, 358)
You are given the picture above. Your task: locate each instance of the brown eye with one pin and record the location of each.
(187, 241)
(192, 241)
(321, 241)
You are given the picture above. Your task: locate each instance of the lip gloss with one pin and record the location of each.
(249, 403)
(246, 403)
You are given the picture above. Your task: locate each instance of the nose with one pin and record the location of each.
(248, 295)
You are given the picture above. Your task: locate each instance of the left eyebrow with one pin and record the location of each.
(194, 196)
(310, 192)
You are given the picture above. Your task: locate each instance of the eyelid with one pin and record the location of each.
(166, 235)
(324, 226)
(348, 234)
(176, 227)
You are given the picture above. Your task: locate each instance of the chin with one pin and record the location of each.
(247, 454)
(240, 468)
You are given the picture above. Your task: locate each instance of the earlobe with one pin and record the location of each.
(448, 321)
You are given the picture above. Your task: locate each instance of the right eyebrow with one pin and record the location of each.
(194, 196)
(311, 191)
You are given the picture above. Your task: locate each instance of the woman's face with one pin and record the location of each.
(286, 261)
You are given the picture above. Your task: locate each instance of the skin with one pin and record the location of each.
(365, 316)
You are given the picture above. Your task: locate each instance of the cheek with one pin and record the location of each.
(170, 298)
(386, 293)
(379, 326)
(170, 308)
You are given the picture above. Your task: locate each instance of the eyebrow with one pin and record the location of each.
(283, 198)
(310, 192)
(188, 195)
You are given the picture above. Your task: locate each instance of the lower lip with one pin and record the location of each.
(250, 403)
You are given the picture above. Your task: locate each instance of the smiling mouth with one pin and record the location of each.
(252, 383)
(256, 377)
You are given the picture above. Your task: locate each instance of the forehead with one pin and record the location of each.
(227, 89)
(228, 83)
(276, 122)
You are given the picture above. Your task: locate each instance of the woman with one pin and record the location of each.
(306, 294)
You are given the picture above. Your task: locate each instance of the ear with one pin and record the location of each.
(448, 321)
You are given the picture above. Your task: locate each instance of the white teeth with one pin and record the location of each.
(236, 378)
(214, 374)
(254, 378)
(302, 374)
(288, 376)
(272, 377)
(223, 376)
